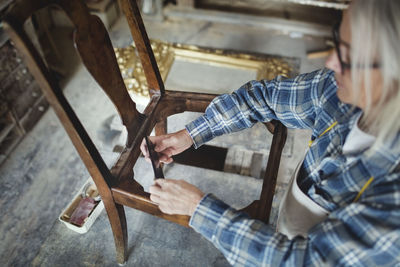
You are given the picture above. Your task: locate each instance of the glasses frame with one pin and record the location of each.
(337, 41)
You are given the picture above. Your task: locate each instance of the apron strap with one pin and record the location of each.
(369, 180)
(363, 188)
(324, 132)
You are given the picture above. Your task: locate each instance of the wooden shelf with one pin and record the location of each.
(21, 100)
(7, 123)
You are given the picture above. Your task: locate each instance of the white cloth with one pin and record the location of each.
(297, 211)
(357, 140)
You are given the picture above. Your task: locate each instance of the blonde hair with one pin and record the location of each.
(375, 27)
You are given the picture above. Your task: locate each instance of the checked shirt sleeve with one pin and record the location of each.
(295, 102)
(244, 241)
(365, 233)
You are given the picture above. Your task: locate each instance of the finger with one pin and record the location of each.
(155, 198)
(156, 190)
(161, 145)
(169, 152)
(168, 161)
(160, 182)
(164, 158)
(166, 155)
(156, 138)
(165, 209)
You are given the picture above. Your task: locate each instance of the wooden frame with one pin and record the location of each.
(116, 186)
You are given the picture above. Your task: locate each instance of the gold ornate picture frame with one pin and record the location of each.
(167, 54)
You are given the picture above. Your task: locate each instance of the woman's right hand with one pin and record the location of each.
(168, 145)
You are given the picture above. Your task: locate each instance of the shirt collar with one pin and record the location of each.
(380, 161)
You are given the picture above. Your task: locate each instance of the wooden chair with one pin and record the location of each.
(117, 186)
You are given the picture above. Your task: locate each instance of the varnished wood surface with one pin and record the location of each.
(91, 45)
(271, 173)
(129, 193)
(142, 43)
(81, 140)
(261, 209)
(116, 187)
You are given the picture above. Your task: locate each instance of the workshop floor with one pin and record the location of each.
(44, 172)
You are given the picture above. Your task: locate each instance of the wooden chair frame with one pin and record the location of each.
(117, 186)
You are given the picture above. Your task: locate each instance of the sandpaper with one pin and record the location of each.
(82, 211)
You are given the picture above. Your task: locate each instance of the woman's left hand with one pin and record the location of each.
(175, 196)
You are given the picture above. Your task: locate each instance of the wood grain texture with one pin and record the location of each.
(105, 71)
(117, 186)
(97, 168)
(130, 194)
(150, 68)
(261, 209)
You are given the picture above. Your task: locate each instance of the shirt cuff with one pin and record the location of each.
(200, 131)
(207, 215)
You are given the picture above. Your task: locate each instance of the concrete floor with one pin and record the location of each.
(44, 172)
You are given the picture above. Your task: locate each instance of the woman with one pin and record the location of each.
(343, 204)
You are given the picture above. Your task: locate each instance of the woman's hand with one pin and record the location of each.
(168, 145)
(175, 196)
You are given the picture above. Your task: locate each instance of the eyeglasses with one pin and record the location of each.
(337, 42)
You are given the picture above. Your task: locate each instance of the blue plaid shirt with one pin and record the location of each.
(361, 233)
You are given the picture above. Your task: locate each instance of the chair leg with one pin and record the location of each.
(116, 215)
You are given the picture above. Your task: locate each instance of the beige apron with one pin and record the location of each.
(298, 213)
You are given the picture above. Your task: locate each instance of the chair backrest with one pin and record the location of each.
(95, 49)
